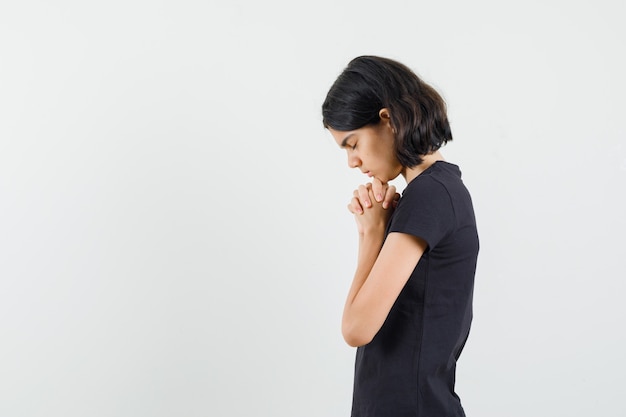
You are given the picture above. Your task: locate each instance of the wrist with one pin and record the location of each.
(372, 231)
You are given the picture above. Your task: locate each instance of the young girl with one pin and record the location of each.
(409, 308)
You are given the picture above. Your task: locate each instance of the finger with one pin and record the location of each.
(389, 196)
(364, 196)
(372, 196)
(396, 200)
(379, 189)
(359, 205)
(355, 206)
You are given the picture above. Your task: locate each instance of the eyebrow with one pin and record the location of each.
(344, 142)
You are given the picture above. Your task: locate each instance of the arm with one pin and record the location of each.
(380, 275)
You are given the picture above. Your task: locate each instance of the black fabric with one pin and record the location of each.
(408, 369)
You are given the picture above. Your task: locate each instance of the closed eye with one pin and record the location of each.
(344, 142)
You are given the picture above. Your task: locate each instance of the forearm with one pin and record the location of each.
(370, 243)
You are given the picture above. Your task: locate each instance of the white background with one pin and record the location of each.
(173, 232)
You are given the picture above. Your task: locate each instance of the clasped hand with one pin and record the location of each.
(372, 205)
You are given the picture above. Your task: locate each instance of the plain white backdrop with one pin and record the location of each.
(173, 232)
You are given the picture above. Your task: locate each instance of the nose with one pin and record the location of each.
(353, 160)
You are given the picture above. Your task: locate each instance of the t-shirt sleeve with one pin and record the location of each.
(425, 210)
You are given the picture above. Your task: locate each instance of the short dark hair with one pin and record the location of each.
(417, 111)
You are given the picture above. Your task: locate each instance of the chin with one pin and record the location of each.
(389, 178)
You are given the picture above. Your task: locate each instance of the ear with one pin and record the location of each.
(385, 117)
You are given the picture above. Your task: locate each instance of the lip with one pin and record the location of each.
(369, 174)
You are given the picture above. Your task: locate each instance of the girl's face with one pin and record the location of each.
(371, 149)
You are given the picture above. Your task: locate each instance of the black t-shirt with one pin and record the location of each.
(408, 369)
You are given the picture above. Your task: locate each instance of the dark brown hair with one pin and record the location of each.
(417, 111)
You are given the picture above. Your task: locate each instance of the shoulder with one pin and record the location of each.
(426, 208)
(426, 191)
(435, 184)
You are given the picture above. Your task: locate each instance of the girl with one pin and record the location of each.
(409, 307)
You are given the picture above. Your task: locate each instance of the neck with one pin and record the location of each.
(410, 173)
